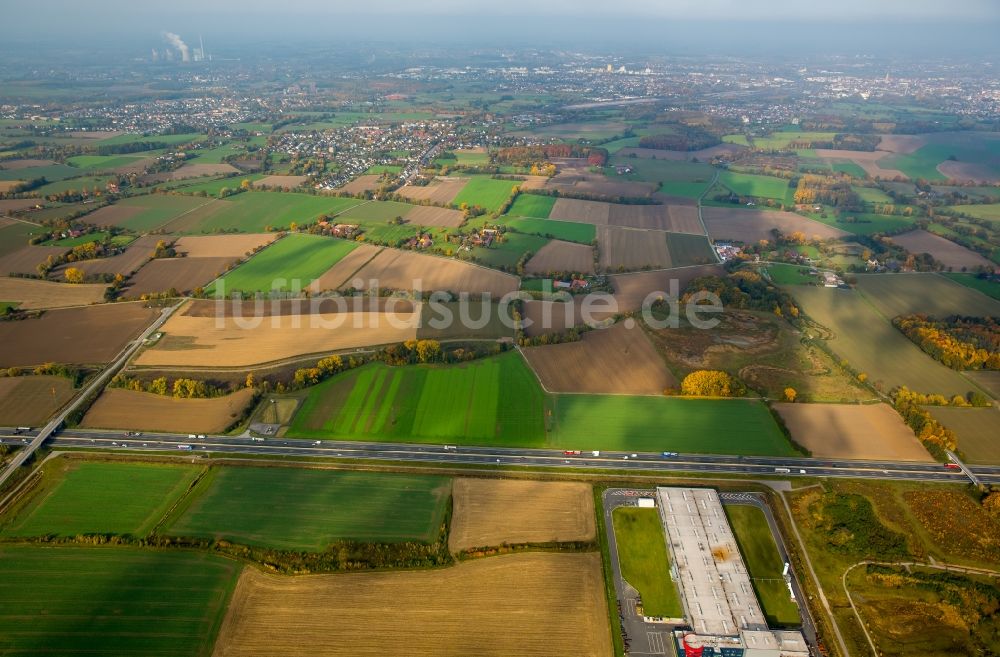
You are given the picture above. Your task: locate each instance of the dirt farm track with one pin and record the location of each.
(530, 605)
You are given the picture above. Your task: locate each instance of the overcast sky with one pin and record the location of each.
(927, 25)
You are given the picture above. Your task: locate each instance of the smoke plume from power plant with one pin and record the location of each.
(179, 44)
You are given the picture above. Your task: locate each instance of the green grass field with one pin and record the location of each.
(644, 560)
(561, 230)
(170, 140)
(51, 172)
(435, 325)
(869, 343)
(510, 250)
(254, 212)
(76, 241)
(532, 205)
(872, 194)
(783, 274)
(864, 223)
(212, 187)
(103, 162)
(301, 509)
(379, 169)
(99, 498)
(216, 155)
(112, 601)
(375, 211)
(485, 192)
(777, 141)
(688, 179)
(653, 424)
(978, 431)
(850, 168)
(686, 250)
(760, 554)
(933, 294)
(294, 259)
(988, 288)
(984, 211)
(158, 210)
(16, 235)
(494, 401)
(746, 184)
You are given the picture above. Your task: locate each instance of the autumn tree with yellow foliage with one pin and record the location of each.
(710, 383)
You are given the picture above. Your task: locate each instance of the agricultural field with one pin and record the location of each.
(72, 601)
(103, 162)
(84, 335)
(14, 235)
(533, 605)
(440, 190)
(202, 341)
(138, 253)
(507, 251)
(532, 205)
(488, 193)
(25, 259)
(146, 213)
(213, 188)
(51, 172)
(180, 274)
(490, 401)
(849, 431)
(32, 293)
(557, 256)
(883, 353)
(676, 178)
(746, 184)
(560, 230)
(92, 497)
(361, 184)
(863, 223)
(946, 252)
(319, 507)
(688, 250)
(991, 211)
(407, 270)
(31, 400)
(284, 182)
(749, 226)
(131, 410)
(679, 218)
(978, 431)
(491, 512)
(652, 424)
(644, 560)
(628, 249)
(631, 290)
(987, 287)
(423, 216)
(931, 294)
(222, 246)
(760, 554)
(292, 263)
(616, 360)
(256, 212)
(442, 320)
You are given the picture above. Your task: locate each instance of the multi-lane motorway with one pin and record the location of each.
(500, 457)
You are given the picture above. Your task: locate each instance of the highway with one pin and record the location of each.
(501, 457)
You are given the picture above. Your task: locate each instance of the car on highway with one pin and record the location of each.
(572, 452)
(952, 466)
(668, 455)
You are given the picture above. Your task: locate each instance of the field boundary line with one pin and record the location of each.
(340, 285)
(185, 213)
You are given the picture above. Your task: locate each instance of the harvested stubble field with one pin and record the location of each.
(879, 350)
(26, 259)
(85, 335)
(851, 431)
(944, 251)
(31, 400)
(93, 497)
(318, 507)
(532, 605)
(597, 213)
(616, 360)
(673, 217)
(193, 171)
(749, 226)
(491, 512)
(130, 410)
(135, 256)
(202, 342)
(181, 274)
(931, 294)
(630, 249)
(558, 256)
(33, 293)
(978, 431)
(284, 182)
(404, 270)
(361, 184)
(584, 182)
(430, 215)
(440, 190)
(222, 246)
(75, 601)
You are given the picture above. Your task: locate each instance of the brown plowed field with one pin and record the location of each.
(222, 246)
(752, 225)
(597, 213)
(181, 274)
(599, 185)
(33, 293)
(188, 171)
(14, 165)
(15, 204)
(344, 272)
(32, 400)
(491, 512)
(617, 360)
(130, 410)
(281, 181)
(529, 605)
(851, 431)
(86, 335)
(440, 190)
(557, 256)
(904, 144)
(430, 215)
(26, 259)
(400, 270)
(135, 256)
(312, 306)
(231, 342)
(968, 172)
(671, 218)
(944, 251)
(631, 289)
(361, 184)
(632, 249)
